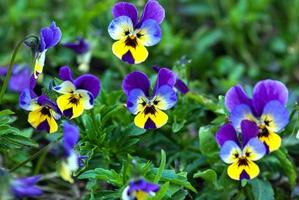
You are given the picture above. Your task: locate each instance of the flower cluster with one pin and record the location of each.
(257, 120)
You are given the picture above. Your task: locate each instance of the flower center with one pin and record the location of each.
(131, 41)
(75, 98)
(46, 111)
(243, 161)
(263, 131)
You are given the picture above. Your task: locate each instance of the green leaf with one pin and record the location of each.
(208, 175)
(287, 166)
(261, 190)
(162, 192)
(162, 166)
(207, 143)
(6, 112)
(109, 176)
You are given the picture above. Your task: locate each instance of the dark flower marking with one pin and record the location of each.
(150, 110)
(242, 162)
(132, 42)
(46, 111)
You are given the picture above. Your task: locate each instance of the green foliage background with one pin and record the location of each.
(212, 45)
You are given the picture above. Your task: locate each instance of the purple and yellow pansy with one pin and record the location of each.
(140, 189)
(43, 111)
(70, 158)
(133, 35)
(77, 95)
(49, 37)
(267, 108)
(240, 155)
(149, 109)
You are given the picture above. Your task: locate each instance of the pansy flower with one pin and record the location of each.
(140, 189)
(179, 83)
(82, 48)
(43, 111)
(70, 159)
(78, 94)
(240, 155)
(267, 108)
(25, 187)
(49, 37)
(134, 35)
(149, 108)
(19, 77)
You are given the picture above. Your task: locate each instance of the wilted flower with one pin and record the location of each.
(148, 109)
(70, 159)
(140, 190)
(82, 49)
(43, 111)
(19, 77)
(240, 155)
(78, 94)
(179, 84)
(49, 37)
(267, 109)
(25, 187)
(133, 35)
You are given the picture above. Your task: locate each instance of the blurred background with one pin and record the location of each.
(216, 43)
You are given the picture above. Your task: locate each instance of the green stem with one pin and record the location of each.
(45, 148)
(40, 162)
(8, 74)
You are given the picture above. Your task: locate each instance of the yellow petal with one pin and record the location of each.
(140, 119)
(35, 117)
(235, 170)
(273, 141)
(64, 103)
(65, 173)
(139, 53)
(119, 48)
(52, 124)
(39, 64)
(140, 195)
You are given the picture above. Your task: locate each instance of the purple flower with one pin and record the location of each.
(19, 77)
(267, 108)
(49, 37)
(78, 94)
(25, 187)
(80, 46)
(43, 111)
(140, 189)
(134, 35)
(240, 155)
(148, 108)
(179, 84)
(71, 160)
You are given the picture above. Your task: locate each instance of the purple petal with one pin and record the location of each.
(268, 90)
(151, 33)
(256, 148)
(143, 185)
(166, 97)
(153, 10)
(181, 86)
(149, 124)
(236, 96)
(165, 77)
(44, 100)
(249, 130)
(80, 46)
(66, 74)
(88, 82)
(132, 102)
(240, 113)
(228, 151)
(244, 175)
(3, 71)
(71, 136)
(44, 126)
(32, 180)
(49, 36)
(20, 79)
(226, 133)
(277, 114)
(125, 9)
(128, 57)
(136, 80)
